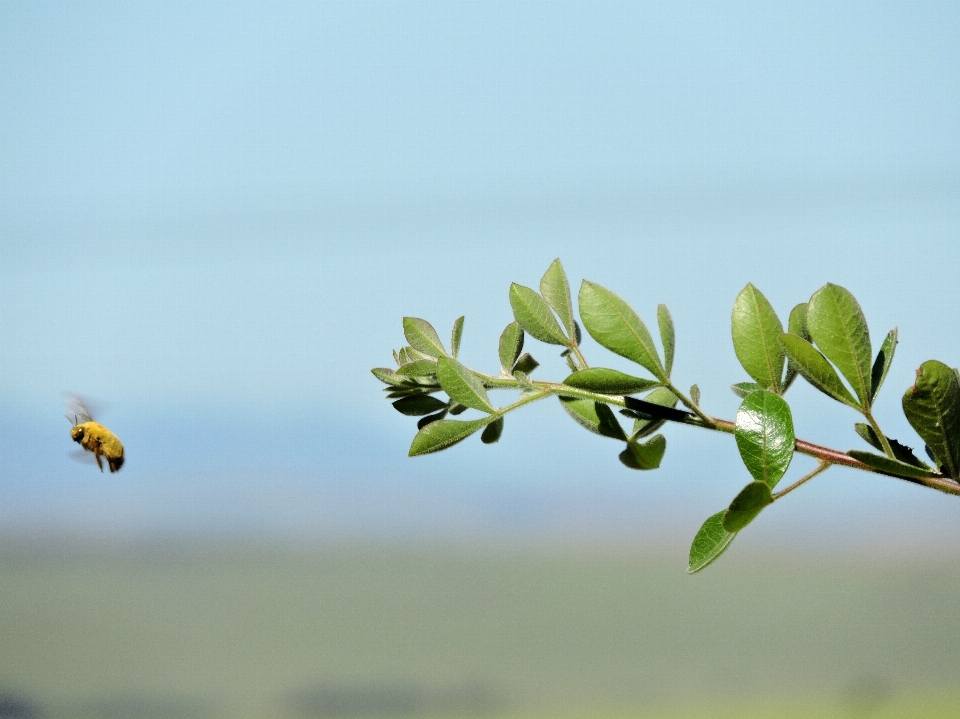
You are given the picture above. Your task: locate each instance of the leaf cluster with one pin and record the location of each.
(827, 342)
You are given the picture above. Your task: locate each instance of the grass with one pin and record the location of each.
(361, 631)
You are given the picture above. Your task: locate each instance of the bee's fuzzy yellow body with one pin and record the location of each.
(96, 438)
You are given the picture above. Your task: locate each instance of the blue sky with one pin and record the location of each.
(214, 215)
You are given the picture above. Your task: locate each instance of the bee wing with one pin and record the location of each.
(82, 456)
(77, 411)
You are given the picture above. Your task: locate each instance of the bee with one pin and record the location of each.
(93, 436)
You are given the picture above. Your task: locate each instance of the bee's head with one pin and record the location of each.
(77, 433)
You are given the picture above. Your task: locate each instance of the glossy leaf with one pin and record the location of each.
(746, 506)
(890, 466)
(422, 337)
(462, 385)
(644, 426)
(418, 405)
(815, 369)
(764, 434)
(525, 364)
(711, 541)
(646, 455)
(418, 368)
(839, 329)
(742, 389)
(608, 381)
(756, 330)
(932, 406)
(511, 344)
(556, 291)
(445, 433)
(455, 336)
(796, 325)
(492, 432)
(596, 417)
(881, 365)
(614, 324)
(667, 337)
(535, 316)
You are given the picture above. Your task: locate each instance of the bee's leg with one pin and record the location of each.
(97, 452)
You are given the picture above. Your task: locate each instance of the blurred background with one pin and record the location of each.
(213, 217)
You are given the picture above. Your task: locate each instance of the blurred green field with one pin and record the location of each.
(604, 633)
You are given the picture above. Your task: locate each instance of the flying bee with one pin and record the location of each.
(93, 436)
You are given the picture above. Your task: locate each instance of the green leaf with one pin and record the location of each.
(764, 434)
(608, 381)
(644, 409)
(839, 329)
(418, 405)
(455, 336)
(742, 389)
(890, 466)
(756, 329)
(711, 541)
(511, 344)
(525, 364)
(643, 426)
(388, 376)
(881, 365)
(457, 408)
(667, 337)
(413, 355)
(868, 435)
(462, 385)
(556, 292)
(695, 394)
(647, 455)
(492, 432)
(596, 417)
(614, 324)
(422, 337)
(524, 379)
(796, 325)
(398, 392)
(424, 421)
(746, 506)
(418, 368)
(900, 451)
(932, 406)
(445, 433)
(535, 316)
(815, 369)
